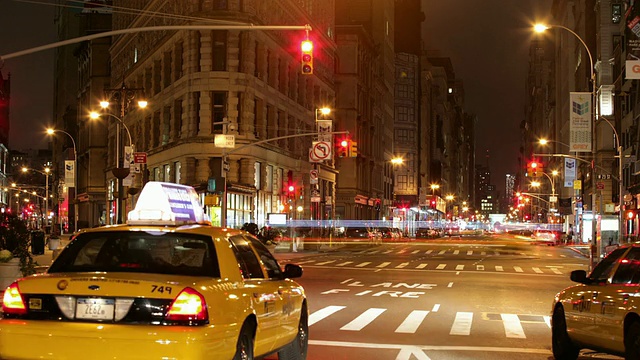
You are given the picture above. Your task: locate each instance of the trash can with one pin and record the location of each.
(54, 243)
(37, 242)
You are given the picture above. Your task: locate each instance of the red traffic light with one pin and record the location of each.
(344, 143)
(533, 165)
(292, 188)
(306, 58)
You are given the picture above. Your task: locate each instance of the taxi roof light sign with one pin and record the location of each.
(162, 203)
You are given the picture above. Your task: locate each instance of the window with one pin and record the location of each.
(219, 50)
(167, 173)
(629, 269)
(177, 167)
(248, 262)
(157, 173)
(269, 262)
(257, 176)
(218, 111)
(602, 271)
(616, 13)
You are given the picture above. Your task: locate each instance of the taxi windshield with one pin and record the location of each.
(140, 252)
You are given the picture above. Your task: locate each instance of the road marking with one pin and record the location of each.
(459, 267)
(344, 263)
(388, 251)
(415, 251)
(470, 252)
(450, 284)
(497, 253)
(363, 264)
(564, 256)
(556, 271)
(323, 313)
(429, 251)
(412, 322)
(383, 264)
(441, 266)
(442, 252)
(346, 281)
(480, 267)
(305, 261)
(462, 324)
(517, 269)
(512, 326)
(373, 252)
(456, 252)
(363, 319)
(436, 307)
(548, 254)
(409, 352)
(547, 320)
(402, 265)
(537, 270)
(499, 268)
(421, 266)
(326, 262)
(483, 253)
(364, 292)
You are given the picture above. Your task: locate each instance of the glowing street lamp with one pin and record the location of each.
(75, 178)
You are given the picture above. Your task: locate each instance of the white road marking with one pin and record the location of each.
(387, 252)
(462, 324)
(517, 269)
(442, 252)
(363, 319)
(496, 253)
(412, 322)
(326, 262)
(556, 271)
(429, 252)
(537, 270)
(435, 308)
(470, 252)
(323, 313)
(344, 263)
(441, 266)
(456, 252)
(499, 268)
(512, 326)
(480, 267)
(483, 253)
(415, 251)
(363, 264)
(384, 264)
(373, 252)
(421, 266)
(547, 320)
(402, 265)
(305, 261)
(548, 254)
(459, 267)
(450, 284)
(409, 352)
(346, 281)
(563, 256)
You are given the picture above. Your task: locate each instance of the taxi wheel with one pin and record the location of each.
(297, 350)
(632, 341)
(244, 347)
(561, 345)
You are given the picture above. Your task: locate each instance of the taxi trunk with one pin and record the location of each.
(76, 315)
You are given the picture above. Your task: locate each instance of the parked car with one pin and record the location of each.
(362, 234)
(547, 236)
(427, 233)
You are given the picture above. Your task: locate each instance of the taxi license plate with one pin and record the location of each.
(95, 309)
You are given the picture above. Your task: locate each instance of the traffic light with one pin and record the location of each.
(343, 148)
(306, 48)
(629, 214)
(433, 203)
(533, 169)
(291, 191)
(353, 150)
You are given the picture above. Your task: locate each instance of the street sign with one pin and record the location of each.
(600, 185)
(140, 158)
(224, 141)
(313, 176)
(320, 151)
(325, 127)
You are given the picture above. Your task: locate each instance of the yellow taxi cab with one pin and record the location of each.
(602, 312)
(166, 285)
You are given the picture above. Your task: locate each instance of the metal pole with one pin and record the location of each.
(46, 201)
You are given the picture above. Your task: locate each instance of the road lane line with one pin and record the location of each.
(402, 265)
(421, 266)
(518, 269)
(537, 270)
(384, 264)
(480, 267)
(459, 267)
(436, 307)
(323, 313)
(363, 264)
(305, 261)
(412, 322)
(346, 281)
(401, 347)
(462, 324)
(441, 266)
(499, 268)
(456, 252)
(326, 262)
(512, 326)
(344, 263)
(470, 252)
(363, 319)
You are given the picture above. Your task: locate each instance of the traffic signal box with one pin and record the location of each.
(343, 148)
(306, 51)
(353, 149)
(534, 169)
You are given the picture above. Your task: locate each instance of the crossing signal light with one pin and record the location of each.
(306, 48)
(343, 148)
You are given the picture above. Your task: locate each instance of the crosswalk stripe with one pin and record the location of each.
(441, 266)
(344, 263)
(305, 261)
(326, 262)
(548, 254)
(483, 253)
(412, 322)
(556, 271)
(459, 267)
(462, 324)
(512, 326)
(323, 313)
(547, 320)
(499, 268)
(415, 251)
(563, 255)
(363, 264)
(363, 319)
(537, 270)
(373, 252)
(470, 252)
(429, 252)
(402, 265)
(386, 252)
(480, 267)
(384, 264)
(436, 307)
(496, 253)
(442, 252)
(421, 266)
(517, 269)
(456, 252)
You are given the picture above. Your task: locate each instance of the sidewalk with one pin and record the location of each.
(44, 260)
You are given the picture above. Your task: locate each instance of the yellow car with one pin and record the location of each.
(603, 312)
(166, 285)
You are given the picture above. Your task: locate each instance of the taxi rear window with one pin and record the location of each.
(140, 251)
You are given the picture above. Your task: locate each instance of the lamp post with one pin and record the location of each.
(595, 251)
(46, 174)
(620, 182)
(124, 96)
(75, 179)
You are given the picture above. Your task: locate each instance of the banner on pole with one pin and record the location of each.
(580, 119)
(69, 172)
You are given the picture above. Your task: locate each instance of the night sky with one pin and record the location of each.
(487, 41)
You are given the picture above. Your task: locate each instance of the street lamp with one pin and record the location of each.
(75, 179)
(620, 183)
(46, 174)
(541, 28)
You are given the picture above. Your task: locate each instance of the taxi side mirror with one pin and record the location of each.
(292, 271)
(579, 276)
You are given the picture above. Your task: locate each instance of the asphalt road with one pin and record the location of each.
(468, 298)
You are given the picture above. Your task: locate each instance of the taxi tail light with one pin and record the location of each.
(187, 306)
(12, 302)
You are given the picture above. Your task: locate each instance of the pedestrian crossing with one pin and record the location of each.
(418, 265)
(462, 323)
(458, 252)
